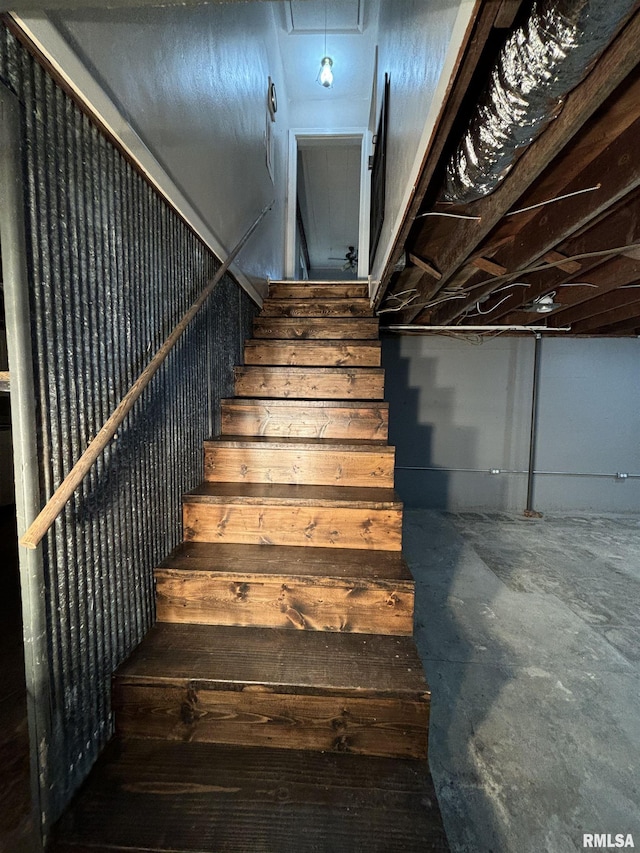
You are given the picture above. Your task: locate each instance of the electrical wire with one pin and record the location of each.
(450, 215)
(491, 310)
(554, 199)
(618, 250)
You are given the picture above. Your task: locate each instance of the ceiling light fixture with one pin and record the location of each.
(325, 76)
(543, 304)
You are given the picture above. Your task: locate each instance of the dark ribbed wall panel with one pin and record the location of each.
(112, 269)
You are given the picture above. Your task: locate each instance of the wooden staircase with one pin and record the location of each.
(285, 617)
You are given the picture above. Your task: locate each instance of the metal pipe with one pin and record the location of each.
(614, 475)
(534, 422)
(454, 329)
(65, 490)
(25, 455)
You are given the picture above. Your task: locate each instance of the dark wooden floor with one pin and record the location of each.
(152, 795)
(15, 824)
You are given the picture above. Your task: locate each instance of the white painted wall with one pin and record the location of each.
(184, 87)
(418, 46)
(192, 84)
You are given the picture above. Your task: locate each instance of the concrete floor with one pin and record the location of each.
(530, 635)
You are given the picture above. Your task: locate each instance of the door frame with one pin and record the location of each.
(361, 134)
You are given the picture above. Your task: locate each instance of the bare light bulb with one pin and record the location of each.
(326, 74)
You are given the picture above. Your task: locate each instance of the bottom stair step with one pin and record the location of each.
(360, 693)
(147, 795)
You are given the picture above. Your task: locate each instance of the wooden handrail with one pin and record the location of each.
(65, 490)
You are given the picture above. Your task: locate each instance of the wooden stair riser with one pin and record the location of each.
(307, 290)
(316, 308)
(308, 383)
(281, 419)
(270, 601)
(394, 728)
(335, 329)
(316, 526)
(322, 467)
(313, 353)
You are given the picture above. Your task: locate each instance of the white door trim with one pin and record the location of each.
(364, 135)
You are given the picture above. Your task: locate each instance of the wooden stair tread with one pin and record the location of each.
(274, 402)
(276, 660)
(301, 462)
(245, 585)
(295, 370)
(320, 342)
(152, 795)
(306, 282)
(309, 290)
(330, 298)
(300, 495)
(272, 416)
(328, 328)
(295, 382)
(346, 445)
(319, 563)
(324, 306)
(312, 352)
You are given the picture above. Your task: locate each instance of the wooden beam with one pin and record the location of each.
(619, 170)
(486, 265)
(602, 129)
(623, 313)
(598, 133)
(625, 328)
(464, 236)
(5, 382)
(619, 226)
(507, 13)
(426, 266)
(597, 306)
(607, 277)
(568, 266)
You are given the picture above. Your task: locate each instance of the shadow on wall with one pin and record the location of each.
(420, 413)
(449, 591)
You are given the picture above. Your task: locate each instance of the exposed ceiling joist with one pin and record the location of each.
(621, 227)
(486, 269)
(595, 309)
(617, 170)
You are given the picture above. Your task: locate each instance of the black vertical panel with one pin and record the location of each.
(112, 269)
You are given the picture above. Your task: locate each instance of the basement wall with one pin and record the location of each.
(111, 270)
(458, 410)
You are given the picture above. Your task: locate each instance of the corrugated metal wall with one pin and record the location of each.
(112, 269)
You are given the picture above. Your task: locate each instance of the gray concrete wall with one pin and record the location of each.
(459, 410)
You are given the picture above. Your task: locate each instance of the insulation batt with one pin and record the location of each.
(540, 63)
